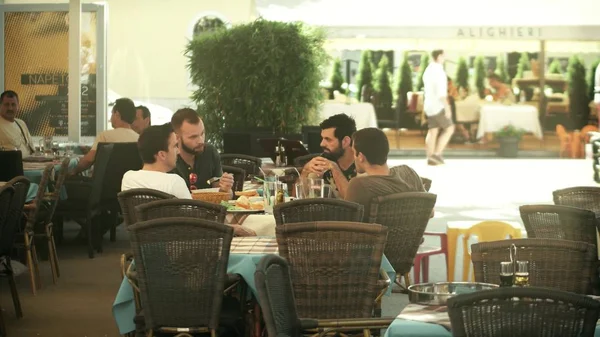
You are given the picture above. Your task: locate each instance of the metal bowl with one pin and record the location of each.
(439, 293)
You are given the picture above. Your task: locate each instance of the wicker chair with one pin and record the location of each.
(406, 215)
(559, 222)
(131, 198)
(186, 208)
(526, 311)
(239, 177)
(7, 193)
(181, 265)
(251, 165)
(278, 304)
(561, 264)
(317, 209)
(585, 197)
(335, 267)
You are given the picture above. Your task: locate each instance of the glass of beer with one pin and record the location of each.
(522, 274)
(506, 274)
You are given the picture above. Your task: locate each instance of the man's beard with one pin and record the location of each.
(189, 150)
(333, 155)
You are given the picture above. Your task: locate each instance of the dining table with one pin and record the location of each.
(34, 170)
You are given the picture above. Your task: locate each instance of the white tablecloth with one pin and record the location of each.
(262, 224)
(496, 116)
(363, 113)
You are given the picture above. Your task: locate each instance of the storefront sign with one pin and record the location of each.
(500, 32)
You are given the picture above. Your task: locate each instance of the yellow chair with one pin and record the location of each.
(486, 231)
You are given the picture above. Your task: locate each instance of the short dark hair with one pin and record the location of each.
(9, 94)
(494, 76)
(344, 125)
(126, 109)
(153, 140)
(145, 111)
(436, 53)
(184, 115)
(373, 144)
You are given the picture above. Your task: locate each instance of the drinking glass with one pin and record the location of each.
(42, 146)
(506, 274)
(55, 147)
(522, 274)
(300, 191)
(69, 149)
(47, 142)
(270, 189)
(315, 187)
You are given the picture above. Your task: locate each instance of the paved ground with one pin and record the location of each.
(468, 189)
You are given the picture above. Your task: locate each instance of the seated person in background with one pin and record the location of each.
(502, 92)
(123, 114)
(13, 131)
(336, 165)
(197, 162)
(158, 148)
(142, 119)
(371, 148)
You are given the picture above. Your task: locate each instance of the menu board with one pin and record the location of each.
(36, 67)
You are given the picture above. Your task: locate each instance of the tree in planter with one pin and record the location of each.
(592, 80)
(578, 93)
(555, 67)
(364, 79)
(424, 63)
(524, 65)
(251, 76)
(404, 84)
(462, 75)
(501, 69)
(383, 86)
(480, 75)
(337, 78)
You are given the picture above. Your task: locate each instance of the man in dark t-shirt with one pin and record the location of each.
(197, 162)
(336, 164)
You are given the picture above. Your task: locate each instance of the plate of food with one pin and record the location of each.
(245, 204)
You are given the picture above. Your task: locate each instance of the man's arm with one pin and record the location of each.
(85, 162)
(340, 180)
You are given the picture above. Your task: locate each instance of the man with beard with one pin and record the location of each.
(197, 162)
(13, 131)
(336, 164)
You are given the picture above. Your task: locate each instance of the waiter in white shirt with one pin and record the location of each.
(14, 133)
(437, 109)
(597, 92)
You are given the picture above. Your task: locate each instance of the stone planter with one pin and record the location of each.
(509, 147)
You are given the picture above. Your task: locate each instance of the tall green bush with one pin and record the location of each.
(578, 92)
(259, 74)
(424, 63)
(501, 69)
(555, 67)
(365, 73)
(462, 75)
(403, 83)
(382, 84)
(337, 78)
(480, 75)
(592, 80)
(524, 65)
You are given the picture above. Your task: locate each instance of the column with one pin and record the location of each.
(74, 71)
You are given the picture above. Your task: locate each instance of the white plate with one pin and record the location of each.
(206, 190)
(245, 210)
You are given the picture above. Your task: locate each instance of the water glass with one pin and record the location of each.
(69, 149)
(270, 189)
(42, 146)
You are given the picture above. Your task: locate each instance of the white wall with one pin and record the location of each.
(147, 39)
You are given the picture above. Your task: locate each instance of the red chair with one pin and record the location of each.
(423, 254)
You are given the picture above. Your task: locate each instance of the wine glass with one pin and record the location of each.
(55, 148)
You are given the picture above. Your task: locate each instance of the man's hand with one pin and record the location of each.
(317, 165)
(242, 231)
(226, 182)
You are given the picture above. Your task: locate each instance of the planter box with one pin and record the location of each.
(509, 147)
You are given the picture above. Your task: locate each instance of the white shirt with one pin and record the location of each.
(436, 89)
(597, 85)
(11, 136)
(170, 183)
(119, 135)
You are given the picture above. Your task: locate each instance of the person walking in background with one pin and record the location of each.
(437, 109)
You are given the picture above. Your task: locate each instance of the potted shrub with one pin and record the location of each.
(337, 78)
(462, 76)
(364, 79)
(578, 93)
(480, 75)
(260, 75)
(509, 137)
(424, 63)
(501, 69)
(383, 87)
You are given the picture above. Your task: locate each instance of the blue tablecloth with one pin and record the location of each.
(242, 264)
(406, 328)
(35, 177)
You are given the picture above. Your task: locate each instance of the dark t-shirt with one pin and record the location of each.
(206, 165)
(349, 173)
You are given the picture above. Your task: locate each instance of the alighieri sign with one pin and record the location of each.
(500, 32)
